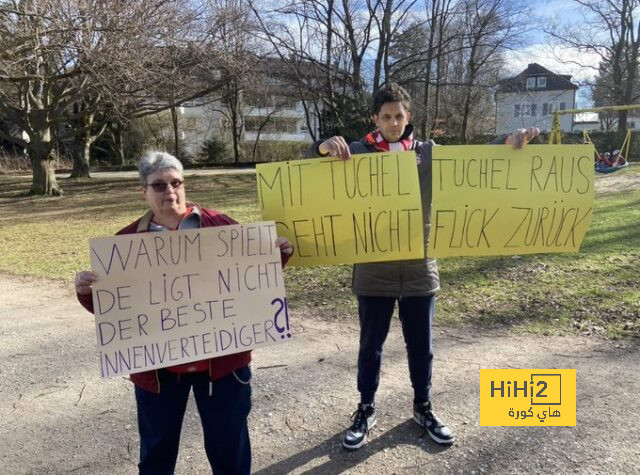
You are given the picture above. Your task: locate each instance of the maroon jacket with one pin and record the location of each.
(218, 367)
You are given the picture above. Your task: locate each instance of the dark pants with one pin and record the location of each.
(416, 315)
(223, 408)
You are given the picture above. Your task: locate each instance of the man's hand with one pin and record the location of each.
(335, 146)
(522, 136)
(84, 280)
(285, 246)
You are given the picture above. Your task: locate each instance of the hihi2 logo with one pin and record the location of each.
(527, 397)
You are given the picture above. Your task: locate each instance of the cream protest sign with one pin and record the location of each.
(494, 200)
(174, 297)
(333, 211)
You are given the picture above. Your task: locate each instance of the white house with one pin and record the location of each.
(604, 121)
(279, 119)
(530, 98)
(589, 121)
(609, 120)
(276, 119)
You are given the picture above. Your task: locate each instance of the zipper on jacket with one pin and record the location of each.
(401, 280)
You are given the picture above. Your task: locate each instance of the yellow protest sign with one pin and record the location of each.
(494, 200)
(365, 209)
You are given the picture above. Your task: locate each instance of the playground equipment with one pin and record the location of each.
(555, 137)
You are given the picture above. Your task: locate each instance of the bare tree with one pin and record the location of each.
(489, 27)
(235, 36)
(419, 53)
(324, 45)
(449, 57)
(83, 62)
(447, 54)
(390, 18)
(611, 32)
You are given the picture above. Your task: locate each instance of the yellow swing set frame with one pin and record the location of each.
(555, 137)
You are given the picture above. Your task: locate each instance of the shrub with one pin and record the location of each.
(213, 150)
(19, 163)
(14, 163)
(104, 150)
(275, 150)
(604, 142)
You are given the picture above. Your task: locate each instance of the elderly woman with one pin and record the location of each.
(221, 386)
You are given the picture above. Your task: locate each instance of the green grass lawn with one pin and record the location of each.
(594, 291)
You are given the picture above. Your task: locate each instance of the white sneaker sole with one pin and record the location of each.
(435, 437)
(362, 442)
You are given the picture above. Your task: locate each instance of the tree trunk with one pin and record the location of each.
(176, 132)
(81, 162)
(438, 88)
(40, 150)
(425, 125)
(622, 123)
(425, 129)
(471, 78)
(44, 178)
(236, 116)
(82, 156)
(118, 144)
(236, 141)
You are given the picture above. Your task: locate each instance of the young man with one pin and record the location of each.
(412, 283)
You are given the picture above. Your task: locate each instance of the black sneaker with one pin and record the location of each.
(363, 421)
(425, 418)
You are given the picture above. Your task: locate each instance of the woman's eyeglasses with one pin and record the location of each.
(161, 187)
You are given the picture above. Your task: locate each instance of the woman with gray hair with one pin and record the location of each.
(221, 386)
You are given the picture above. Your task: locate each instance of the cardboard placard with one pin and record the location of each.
(168, 298)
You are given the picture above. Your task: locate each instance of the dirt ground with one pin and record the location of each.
(58, 416)
(618, 181)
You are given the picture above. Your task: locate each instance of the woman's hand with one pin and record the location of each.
(84, 280)
(335, 146)
(522, 136)
(285, 246)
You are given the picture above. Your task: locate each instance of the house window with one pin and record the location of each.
(288, 126)
(541, 82)
(272, 125)
(632, 125)
(531, 83)
(551, 107)
(273, 102)
(288, 104)
(524, 110)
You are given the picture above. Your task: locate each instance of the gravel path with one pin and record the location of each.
(57, 416)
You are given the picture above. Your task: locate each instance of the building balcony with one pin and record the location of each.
(278, 136)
